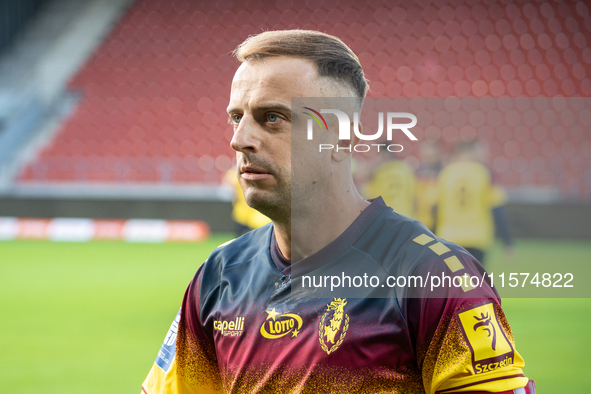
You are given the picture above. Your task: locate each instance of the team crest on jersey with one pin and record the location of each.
(333, 325)
(278, 326)
(490, 347)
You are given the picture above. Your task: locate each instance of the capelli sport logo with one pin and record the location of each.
(278, 326)
(392, 120)
(232, 328)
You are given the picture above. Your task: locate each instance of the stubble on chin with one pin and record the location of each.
(274, 204)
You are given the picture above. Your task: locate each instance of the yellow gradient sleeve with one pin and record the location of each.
(160, 382)
(475, 352)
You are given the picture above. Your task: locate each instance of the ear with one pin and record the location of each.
(345, 148)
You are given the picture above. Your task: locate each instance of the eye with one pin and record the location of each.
(235, 119)
(273, 118)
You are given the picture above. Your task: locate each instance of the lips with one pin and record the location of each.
(253, 173)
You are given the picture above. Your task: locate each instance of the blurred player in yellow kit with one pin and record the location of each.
(394, 180)
(469, 205)
(426, 182)
(245, 217)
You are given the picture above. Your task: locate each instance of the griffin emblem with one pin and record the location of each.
(338, 323)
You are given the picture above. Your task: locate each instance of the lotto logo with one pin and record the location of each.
(279, 325)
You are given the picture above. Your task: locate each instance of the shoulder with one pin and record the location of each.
(238, 251)
(404, 246)
(393, 236)
(243, 247)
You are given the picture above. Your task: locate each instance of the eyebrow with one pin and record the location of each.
(265, 107)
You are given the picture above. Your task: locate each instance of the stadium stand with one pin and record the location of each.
(155, 91)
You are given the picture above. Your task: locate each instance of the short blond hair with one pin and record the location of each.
(331, 56)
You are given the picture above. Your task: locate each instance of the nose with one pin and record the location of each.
(246, 137)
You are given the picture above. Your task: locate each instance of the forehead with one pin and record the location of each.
(277, 79)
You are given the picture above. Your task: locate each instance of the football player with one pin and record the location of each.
(469, 206)
(394, 181)
(249, 323)
(430, 158)
(245, 217)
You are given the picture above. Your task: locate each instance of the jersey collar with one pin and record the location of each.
(332, 250)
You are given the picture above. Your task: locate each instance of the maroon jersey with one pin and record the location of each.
(250, 322)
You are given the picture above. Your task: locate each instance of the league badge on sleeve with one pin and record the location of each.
(490, 347)
(166, 353)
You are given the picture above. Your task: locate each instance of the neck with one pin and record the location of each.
(314, 226)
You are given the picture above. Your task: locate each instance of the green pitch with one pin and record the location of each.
(90, 318)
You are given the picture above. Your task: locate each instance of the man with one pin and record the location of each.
(245, 217)
(243, 326)
(469, 205)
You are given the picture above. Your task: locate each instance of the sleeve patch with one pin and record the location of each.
(423, 239)
(453, 263)
(467, 284)
(490, 347)
(439, 248)
(166, 353)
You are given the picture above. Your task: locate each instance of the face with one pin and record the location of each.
(260, 112)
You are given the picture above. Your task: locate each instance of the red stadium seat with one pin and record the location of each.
(163, 76)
